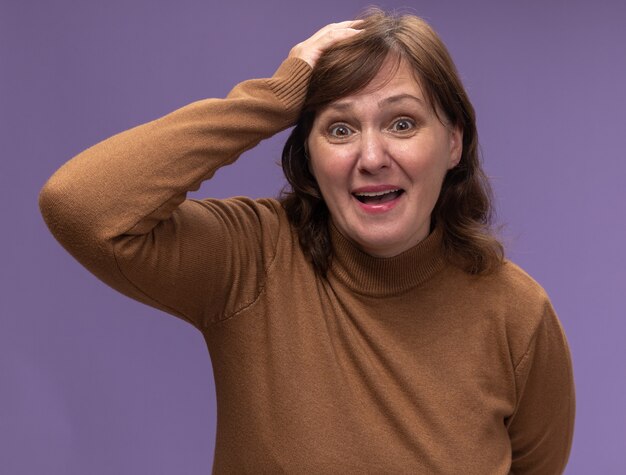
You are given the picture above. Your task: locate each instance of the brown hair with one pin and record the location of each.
(464, 209)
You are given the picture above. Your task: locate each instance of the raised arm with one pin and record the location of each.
(120, 207)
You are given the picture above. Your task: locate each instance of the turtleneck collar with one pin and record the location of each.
(377, 276)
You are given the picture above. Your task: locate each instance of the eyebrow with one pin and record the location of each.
(346, 105)
(398, 98)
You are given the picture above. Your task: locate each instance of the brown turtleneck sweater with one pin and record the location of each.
(399, 365)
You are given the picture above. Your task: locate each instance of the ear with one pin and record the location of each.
(456, 146)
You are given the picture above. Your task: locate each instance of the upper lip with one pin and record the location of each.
(375, 189)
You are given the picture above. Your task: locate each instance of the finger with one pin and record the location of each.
(346, 23)
(334, 36)
(310, 49)
(336, 26)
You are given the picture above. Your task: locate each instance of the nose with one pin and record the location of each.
(373, 153)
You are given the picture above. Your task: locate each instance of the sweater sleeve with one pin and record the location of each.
(120, 206)
(542, 426)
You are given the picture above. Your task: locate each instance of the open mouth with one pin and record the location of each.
(378, 197)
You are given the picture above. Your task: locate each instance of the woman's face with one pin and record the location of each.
(379, 158)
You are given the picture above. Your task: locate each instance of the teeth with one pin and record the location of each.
(376, 193)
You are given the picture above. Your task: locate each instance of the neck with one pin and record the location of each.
(378, 276)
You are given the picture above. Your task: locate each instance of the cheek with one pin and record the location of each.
(426, 166)
(418, 159)
(329, 166)
(328, 174)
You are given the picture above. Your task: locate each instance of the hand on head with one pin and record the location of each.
(311, 49)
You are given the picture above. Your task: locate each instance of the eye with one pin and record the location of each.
(340, 131)
(402, 125)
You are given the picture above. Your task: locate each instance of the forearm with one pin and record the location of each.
(129, 182)
(118, 206)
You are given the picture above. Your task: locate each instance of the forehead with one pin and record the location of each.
(395, 79)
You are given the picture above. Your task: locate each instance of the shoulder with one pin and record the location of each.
(263, 220)
(513, 301)
(507, 285)
(515, 285)
(242, 210)
(528, 309)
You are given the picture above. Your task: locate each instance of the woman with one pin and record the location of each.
(366, 322)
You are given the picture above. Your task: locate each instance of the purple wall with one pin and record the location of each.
(92, 382)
